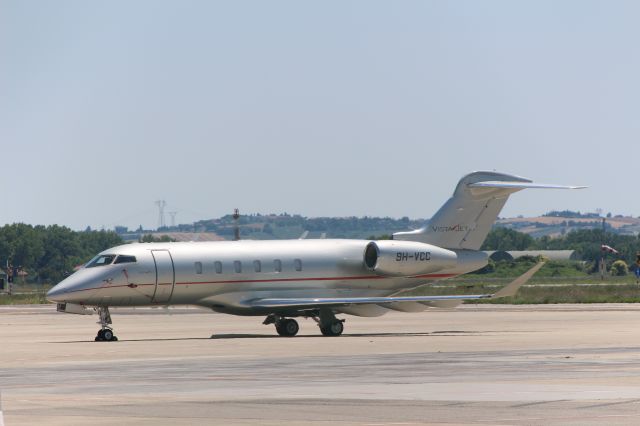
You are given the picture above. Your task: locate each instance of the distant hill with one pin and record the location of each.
(286, 226)
(282, 226)
(555, 226)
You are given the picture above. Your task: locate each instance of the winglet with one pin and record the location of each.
(512, 288)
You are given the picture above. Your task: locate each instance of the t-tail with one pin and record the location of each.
(464, 221)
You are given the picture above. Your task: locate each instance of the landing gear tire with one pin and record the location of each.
(335, 328)
(287, 327)
(106, 335)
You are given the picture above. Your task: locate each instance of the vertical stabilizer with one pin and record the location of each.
(464, 221)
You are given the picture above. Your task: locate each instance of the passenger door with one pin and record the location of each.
(165, 276)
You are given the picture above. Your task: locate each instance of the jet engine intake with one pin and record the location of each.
(406, 258)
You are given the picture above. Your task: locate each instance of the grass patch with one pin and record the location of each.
(605, 293)
(554, 269)
(33, 298)
(541, 294)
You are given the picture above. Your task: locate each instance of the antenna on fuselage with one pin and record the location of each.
(236, 227)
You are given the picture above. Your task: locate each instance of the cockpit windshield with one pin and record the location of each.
(101, 260)
(125, 259)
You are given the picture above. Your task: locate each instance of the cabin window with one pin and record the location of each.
(257, 266)
(237, 266)
(198, 266)
(125, 259)
(101, 260)
(277, 265)
(218, 267)
(297, 263)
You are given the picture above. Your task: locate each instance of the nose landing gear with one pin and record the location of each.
(105, 334)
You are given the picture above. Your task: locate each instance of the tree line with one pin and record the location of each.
(49, 253)
(289, 226)
(586, 242)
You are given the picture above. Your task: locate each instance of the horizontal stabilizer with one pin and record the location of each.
(521, 185)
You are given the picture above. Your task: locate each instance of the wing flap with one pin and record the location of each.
(346, 301)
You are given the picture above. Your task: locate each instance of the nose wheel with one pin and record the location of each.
(105, 334)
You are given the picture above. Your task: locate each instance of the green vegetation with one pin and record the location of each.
(586, 243)
(508, 239)
(603, 293)
(619, 268)
(32, 298)
(539, 294)
(514, 268)
(48, 254)
(150, 238)
(570, 213)
(279, 226)
(556, 282)
(284, 225)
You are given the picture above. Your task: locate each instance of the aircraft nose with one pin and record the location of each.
(56, 294)
(73, 289)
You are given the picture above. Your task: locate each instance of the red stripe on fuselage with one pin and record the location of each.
(366, 277)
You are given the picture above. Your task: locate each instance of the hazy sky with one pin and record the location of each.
(324, 109)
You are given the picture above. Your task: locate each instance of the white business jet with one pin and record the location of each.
(289, 279)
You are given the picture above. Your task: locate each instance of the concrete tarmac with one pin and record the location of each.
(486, 364)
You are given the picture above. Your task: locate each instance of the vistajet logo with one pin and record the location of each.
(453, 228)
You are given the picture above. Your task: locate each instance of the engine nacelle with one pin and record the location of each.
(407, 258)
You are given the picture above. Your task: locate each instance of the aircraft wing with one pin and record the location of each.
(306, 303)
(346, 301)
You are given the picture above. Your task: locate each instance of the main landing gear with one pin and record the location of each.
(329, 324)
(288, 327)
(105, 334)
(335, 328)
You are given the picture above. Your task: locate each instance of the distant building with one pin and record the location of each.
(121, 230)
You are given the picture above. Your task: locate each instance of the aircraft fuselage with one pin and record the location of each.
(225, 275)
